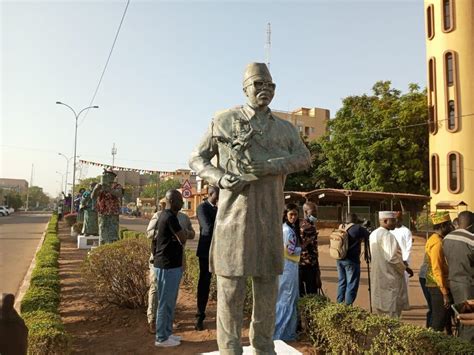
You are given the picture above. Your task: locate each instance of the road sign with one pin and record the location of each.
(186, 185)
(187, 193)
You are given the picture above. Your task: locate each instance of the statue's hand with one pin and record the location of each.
(232, 183)
(261, 168)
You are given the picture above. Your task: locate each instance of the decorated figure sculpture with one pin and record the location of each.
(255, 151)
(108, 195)
(88, 206)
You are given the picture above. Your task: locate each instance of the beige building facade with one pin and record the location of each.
(18, 185)
(450, 71)
(311, 122)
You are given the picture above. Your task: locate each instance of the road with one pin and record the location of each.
(20, 234)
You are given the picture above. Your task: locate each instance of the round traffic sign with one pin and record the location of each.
(187, 193)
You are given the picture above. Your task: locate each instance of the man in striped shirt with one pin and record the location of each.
(458, 248)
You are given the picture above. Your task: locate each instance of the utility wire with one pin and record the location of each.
(107, 62)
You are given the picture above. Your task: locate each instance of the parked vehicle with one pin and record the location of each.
(4, 211)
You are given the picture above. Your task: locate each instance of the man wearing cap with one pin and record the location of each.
(405, 240)
(437, 271)
(108, 195)
(255, 151)
(389, 290)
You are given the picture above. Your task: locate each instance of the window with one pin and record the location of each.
(430, 21)
(448, 15)
(454, 172)
(448, 60)
(451, 115)
(432, 109)
(435, 173)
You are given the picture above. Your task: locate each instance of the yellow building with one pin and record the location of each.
(450, 66)
(311, 122)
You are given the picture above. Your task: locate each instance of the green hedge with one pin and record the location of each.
(46, 334)
(337, 328)
(39, 307)
(128, 234)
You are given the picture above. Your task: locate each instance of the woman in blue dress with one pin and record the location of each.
(288, 290)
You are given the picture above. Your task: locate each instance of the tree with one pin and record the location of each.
(36, 199)
(378, 142)
(85, 183)
(152, 191)
(314, 177)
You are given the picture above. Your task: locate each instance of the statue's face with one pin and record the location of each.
(259, 91)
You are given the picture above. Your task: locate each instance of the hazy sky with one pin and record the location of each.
(176, 63)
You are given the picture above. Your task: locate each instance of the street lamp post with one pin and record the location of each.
(67, 169)
(62, 178)
(76, 116)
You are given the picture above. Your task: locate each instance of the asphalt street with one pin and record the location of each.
(20, 234)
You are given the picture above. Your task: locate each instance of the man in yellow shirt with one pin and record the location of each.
(437, 270)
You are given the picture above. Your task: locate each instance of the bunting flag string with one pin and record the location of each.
(141, 171)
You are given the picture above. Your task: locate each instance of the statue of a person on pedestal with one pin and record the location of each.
(88, 205)
(255, 151)
(108, 195)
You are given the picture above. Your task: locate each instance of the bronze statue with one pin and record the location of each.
(255, 151)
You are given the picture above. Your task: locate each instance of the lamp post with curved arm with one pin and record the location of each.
(67, 169)
(76, 116)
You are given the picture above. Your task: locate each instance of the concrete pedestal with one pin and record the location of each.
(87, 242)
(280, 348)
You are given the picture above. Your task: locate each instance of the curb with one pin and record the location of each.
(26, 280)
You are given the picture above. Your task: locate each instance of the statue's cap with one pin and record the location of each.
(109, 172)
(254, 69)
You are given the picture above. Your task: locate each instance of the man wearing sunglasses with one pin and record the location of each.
(458, 248)
(255, 151)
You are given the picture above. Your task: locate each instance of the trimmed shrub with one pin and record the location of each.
(39, 307)
(118, 272)
(46, 334)
(40, 298)
(121, 231)
(47, 257)
(77, 227)
(338, 328)
(46, 277)
(128, 234)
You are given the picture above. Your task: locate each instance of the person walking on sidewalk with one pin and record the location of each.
(206, 214)
(348, 269)
(168, 261)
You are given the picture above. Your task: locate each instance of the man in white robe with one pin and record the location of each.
(389, 291)
(405, 240)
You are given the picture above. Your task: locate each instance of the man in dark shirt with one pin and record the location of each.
(168, 261)
(206, 214)
(349, 268)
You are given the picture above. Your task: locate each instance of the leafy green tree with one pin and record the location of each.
(36, 199)
(378, 142)
(151, 191)
(314, 177)
(85, 183)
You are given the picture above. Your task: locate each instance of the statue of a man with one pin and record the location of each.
(255, 151)
(88, 205)
(108, 195)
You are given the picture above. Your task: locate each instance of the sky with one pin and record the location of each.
(176, 63)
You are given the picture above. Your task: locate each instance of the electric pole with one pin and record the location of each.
(268, 44)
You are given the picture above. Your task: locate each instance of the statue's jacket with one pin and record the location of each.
(247, 239)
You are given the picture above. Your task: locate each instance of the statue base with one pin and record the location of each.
(280, 348)
(87, 241)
